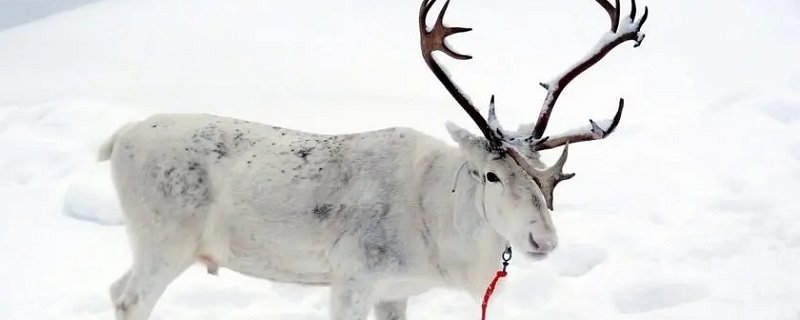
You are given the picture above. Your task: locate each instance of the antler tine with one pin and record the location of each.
(495, 126)
(613, 13)
(547, 179)
(491, 118)
(620, 32)
(434, 40)
(595, 132)
(554, 175)
(510, 137)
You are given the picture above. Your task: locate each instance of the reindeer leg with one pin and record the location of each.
(391, 310)
(118, 286)
(157, 260)
(148, 279)
(350, 300)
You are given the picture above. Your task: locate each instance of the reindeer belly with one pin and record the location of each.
(284, 239)
(263, 251)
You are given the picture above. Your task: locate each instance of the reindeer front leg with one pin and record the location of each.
(391, 310)
(350, 300)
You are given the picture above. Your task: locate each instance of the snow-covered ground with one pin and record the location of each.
(689, 211)
(18, 12)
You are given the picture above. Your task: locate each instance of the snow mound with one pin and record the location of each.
(91, 198)
(653, 296)
(575, 260)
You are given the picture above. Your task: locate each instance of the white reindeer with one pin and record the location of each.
(373, 215)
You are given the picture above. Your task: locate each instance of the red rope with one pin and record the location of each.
(489, 291)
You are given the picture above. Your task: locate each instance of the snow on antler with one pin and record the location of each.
(626, 29)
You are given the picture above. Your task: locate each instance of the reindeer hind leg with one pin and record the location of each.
(158, 260)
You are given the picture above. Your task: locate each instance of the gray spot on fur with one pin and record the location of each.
(304, 152)
(376, 253)
(380, 245)
(238, 138)
(323, 211)
(384, 211)
(220, 149)
(184, 184)
(207, 133)
(425, 234)
(345, 177)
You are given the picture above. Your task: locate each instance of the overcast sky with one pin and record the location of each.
(17, 12)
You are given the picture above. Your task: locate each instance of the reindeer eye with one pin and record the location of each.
(491, 177)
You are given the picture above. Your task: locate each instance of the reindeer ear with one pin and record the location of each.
(459, 134)
(464, 138)
(473, 145)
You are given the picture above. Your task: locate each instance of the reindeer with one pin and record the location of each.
(373, 214)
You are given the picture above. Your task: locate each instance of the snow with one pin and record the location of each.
(687, 211)
(91, 197)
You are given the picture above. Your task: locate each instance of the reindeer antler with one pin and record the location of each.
(547, 179)
(621, 31)
(627, 29)
(499, 139)
(434, 40)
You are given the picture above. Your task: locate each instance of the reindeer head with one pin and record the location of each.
(515, 196)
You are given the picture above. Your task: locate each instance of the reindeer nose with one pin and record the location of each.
(543, 243)
(548, 245)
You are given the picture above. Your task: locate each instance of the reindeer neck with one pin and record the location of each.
(465, 241)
